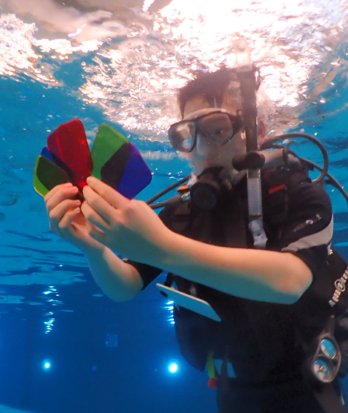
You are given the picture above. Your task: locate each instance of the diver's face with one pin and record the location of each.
(208, 151)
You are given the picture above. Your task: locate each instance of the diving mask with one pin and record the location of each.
(218, 125)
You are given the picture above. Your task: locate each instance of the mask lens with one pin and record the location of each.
(323, 370)
(217, 126)
(328, 348)
(182, 136)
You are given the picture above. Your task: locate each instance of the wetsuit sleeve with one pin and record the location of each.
(308, 229)
(147, 272)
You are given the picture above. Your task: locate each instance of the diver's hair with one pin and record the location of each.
(210, 85)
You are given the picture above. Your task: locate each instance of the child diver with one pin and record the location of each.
(267, 298)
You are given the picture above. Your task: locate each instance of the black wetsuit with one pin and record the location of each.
(259, 340)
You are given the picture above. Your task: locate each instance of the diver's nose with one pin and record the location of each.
(204, 145)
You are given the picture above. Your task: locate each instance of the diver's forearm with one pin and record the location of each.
(118, 280)
(248, 273)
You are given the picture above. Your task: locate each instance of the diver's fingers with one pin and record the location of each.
(57, 213)
(60, 193)
(56, 189)
(93, 217)
(99, 236)
(65, 225)
(100, 205)
(110, 195)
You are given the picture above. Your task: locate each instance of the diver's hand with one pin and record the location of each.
(66, 219)
(129, 227)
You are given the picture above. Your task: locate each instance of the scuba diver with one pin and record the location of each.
(247, 246)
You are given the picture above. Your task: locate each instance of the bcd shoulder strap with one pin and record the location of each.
(277, 184)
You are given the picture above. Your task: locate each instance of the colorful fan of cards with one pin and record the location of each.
(67, 158)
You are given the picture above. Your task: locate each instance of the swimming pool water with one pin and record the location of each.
(64, 347)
